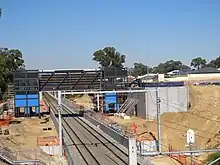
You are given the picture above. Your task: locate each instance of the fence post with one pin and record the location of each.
(132, 151)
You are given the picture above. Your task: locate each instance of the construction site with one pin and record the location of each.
(29, 123)
(198, 111)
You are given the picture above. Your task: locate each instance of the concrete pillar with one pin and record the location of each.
(41, 96)
(98, 106)
(132, 151)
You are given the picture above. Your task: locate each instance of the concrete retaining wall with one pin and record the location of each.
(118, 137)
(173, 99)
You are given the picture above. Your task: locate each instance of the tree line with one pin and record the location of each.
(10, 60)
(109, 57)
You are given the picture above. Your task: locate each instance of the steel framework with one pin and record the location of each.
(70, 79)
(83, 79)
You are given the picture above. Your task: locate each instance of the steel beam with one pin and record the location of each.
(60, 122)
(182, 152)
(94, 80)
(103, 92)
(82, 74)
(67, 74)
(46, 81)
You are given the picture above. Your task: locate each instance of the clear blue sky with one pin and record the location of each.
(64, 34)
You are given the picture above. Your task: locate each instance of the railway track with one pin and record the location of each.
(93, 147)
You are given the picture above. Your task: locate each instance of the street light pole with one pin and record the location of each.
(158, 122)
(60, 122)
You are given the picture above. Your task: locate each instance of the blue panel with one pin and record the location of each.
(33, 102)
(106, 108)
(110, 98)
(27, 110)
(37, 110)
(20, 103)
(20, 96)
(33, 96)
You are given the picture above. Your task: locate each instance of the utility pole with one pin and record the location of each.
(147, 65)
(132, 151)
(191, 154)
(158, 121)
(60, 122)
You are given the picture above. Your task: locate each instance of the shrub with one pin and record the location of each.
(213, 157)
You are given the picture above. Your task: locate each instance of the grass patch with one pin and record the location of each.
(213, 157)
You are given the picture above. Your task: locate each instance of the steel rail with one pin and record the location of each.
(115, 154)
(87, 151)
(122, 155)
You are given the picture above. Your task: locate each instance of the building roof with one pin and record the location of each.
(205, 70)
(150, 75)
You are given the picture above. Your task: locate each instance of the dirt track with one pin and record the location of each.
(22, 140)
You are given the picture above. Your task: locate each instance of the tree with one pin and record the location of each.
(169, 66)
(214, 63)
(198, 62)
(140, 69)
(109, 57)
(10, 60)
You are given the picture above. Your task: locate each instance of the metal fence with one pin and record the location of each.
(182, 158)
(34, 156)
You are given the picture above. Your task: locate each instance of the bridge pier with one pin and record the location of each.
(132, 151)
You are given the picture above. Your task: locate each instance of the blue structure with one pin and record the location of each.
(26, 93)
(111, 102)
(30, 103)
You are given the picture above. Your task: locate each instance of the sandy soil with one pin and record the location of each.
(22, 139)
(83, 100)
(202, 117)
(161, 160)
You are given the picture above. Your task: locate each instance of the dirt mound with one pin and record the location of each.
(83, 100)
(203, 117)
(22, 139)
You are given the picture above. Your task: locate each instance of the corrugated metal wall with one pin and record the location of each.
(173, 99)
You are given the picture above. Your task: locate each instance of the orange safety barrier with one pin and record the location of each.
(48, 141)
(6, 118)
(4, 122)
(183, 159)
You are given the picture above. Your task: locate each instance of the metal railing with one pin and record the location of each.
(7, 156)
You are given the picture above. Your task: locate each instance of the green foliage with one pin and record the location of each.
(140, 69)
(169, 66)
(213, 157)
(10, 60)
(198, 62)
(109, 57)
(215, 63)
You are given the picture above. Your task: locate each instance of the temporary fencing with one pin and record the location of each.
(182, 158)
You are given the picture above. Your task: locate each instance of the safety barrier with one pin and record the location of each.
(182, 158)
(8, 157)
(109, 131)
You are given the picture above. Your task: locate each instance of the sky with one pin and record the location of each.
(55, 34)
